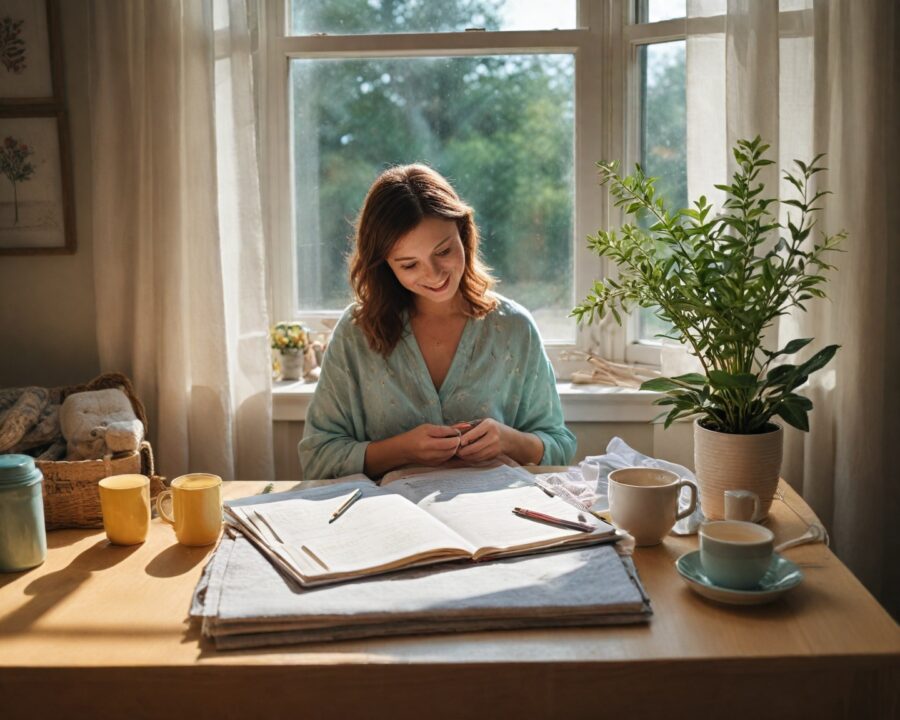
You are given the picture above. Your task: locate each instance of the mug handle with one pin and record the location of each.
(693, 504)
(755, 506)
(165, 517)
(744, 495)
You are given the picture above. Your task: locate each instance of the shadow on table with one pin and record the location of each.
(789, 605)
(65, 538)
(48, 590)
(177, 560)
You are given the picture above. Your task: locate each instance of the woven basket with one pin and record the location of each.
(71, 494)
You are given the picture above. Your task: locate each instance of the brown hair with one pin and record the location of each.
(396, 203)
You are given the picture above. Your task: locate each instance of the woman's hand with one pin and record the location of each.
(423, 445)
(429, 444)
(486, 441)
(490, 439)
(482, 442)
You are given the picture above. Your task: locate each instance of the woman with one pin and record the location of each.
(427, 349)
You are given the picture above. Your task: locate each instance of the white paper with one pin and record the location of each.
(478, 504)
(378, 530)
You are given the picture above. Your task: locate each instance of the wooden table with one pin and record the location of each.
(99, 631)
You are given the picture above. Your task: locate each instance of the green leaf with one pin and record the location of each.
(793, 346)
(692, 379)
(659, 385)
(793, 414)
(780, 374)
(819, 360)
(720, 379)
(799, 401)
(675, 414)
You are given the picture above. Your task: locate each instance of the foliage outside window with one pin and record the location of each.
(499, 127)
(372, 83)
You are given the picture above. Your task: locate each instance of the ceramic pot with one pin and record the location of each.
(291, 364)
(723, 461)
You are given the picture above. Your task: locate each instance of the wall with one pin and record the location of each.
(47, 317)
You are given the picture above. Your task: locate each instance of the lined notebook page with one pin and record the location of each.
(478, 504)
(380, 529)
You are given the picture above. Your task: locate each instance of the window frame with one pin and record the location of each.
(635, 36)
(604, 44)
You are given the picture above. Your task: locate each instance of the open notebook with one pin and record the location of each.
(436, 517)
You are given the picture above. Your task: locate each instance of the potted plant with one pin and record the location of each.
(291, 339)
(719, 281)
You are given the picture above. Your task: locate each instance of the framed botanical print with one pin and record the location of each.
(35, 200)
(36, 203)
(26, 61)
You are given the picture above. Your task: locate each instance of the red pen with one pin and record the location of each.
(549, 519)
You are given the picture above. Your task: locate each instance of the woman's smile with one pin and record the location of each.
(439, 288)
(429, 260)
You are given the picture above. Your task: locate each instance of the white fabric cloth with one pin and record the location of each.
(820, 76)
(242, 601)
(179, 257)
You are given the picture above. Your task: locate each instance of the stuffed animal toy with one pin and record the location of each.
(99, 423)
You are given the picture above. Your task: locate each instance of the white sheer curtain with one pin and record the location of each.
(178, 248)
(814, 76)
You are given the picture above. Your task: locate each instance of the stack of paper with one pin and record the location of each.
(243, 601)
(280, 575)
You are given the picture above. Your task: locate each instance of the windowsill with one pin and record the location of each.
(580, 403)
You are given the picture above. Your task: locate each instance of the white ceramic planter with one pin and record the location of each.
(291, 364)
(736, 462)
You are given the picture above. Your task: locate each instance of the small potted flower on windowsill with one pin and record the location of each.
(291, 340)
(719, 281)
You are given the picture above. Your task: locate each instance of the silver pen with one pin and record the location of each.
(357, 494)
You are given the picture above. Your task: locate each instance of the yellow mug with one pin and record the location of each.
(196, 500)
(125, 503)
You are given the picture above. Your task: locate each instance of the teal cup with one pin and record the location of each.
(735, 554)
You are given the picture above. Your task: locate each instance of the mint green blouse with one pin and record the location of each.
(500, 370)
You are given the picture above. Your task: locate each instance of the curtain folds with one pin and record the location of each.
(178, 248)
(820, 76)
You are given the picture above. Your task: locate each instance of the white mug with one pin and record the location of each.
(644, 502)
(741, 505)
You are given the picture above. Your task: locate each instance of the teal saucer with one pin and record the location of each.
(781, 576)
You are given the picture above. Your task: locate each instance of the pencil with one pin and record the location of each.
(347, 503)
(551, 520)
(314, 556)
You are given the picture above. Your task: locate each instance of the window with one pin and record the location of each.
(662, 140)
(513, 100)
(500, 127)
(658, 127)
(654, 11)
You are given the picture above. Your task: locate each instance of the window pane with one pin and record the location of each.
(651, 11)
(500, 128)
(663, 136)
(369, 17)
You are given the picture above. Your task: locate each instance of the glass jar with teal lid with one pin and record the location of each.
(23, 538)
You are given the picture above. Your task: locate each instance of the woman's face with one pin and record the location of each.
(429, 260)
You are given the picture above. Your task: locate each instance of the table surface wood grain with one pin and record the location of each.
(101, 631)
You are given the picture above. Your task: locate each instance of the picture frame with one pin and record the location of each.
(37, 213)
(36, 209)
